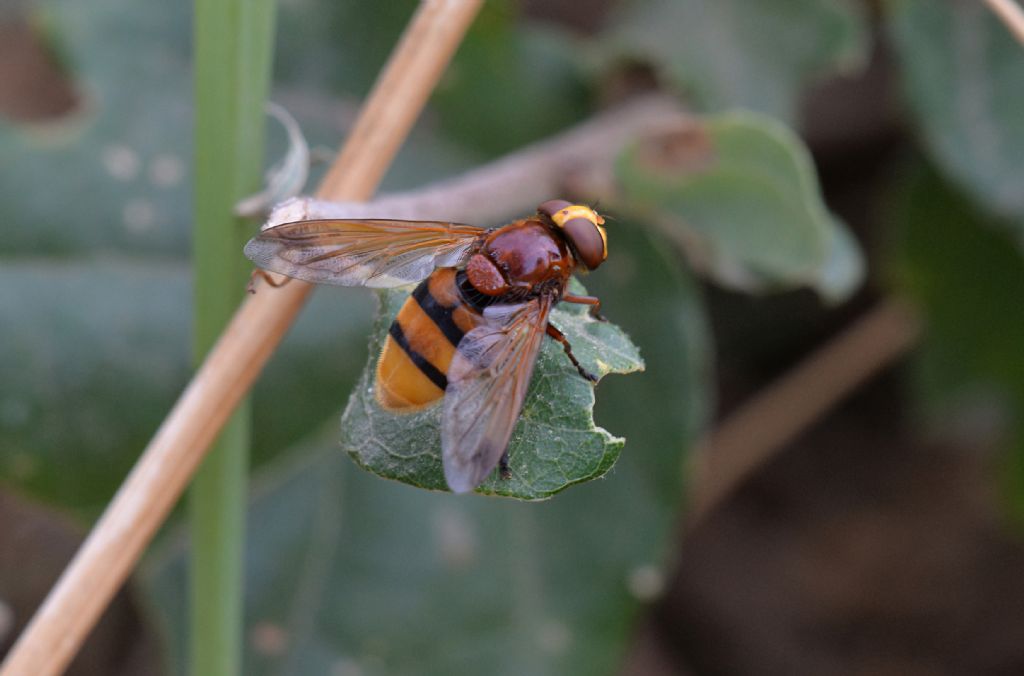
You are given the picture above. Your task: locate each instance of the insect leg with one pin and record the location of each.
(560, 337)
(593, 301)
(262, 274)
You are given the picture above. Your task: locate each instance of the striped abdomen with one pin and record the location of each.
(413, 366)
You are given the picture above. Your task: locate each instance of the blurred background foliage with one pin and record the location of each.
(913, 112)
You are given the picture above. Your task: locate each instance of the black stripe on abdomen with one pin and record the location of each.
(441, 315)
(425, 367)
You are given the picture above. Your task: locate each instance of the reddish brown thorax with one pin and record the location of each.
(521, 254)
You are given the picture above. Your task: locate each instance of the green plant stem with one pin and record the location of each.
(233, 55)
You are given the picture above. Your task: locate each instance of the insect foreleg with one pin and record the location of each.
(560, 337)
(593, 301)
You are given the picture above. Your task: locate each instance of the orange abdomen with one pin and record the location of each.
(413, 366)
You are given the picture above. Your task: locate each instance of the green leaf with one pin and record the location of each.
(966, 275)
(337, 47)
(962, 72)
(115, 178)
(968, 278)
(345, 43)
(844, 269)
(96, 353)
(739, 54)
(350, 574)
(536, 63)
(92, 358)
(555, 443)
(740, 195)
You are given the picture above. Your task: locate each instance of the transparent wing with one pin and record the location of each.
(369, 252)
(487, 382)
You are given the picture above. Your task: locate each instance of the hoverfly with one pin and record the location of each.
(472, 329)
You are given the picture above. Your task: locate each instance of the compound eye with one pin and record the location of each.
(551, 207)
(589, 240)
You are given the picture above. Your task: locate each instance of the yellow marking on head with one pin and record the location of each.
(566, 214)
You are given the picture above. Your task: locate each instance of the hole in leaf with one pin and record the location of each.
(33, 86)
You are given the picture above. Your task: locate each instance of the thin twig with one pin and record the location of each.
(752, 435)
(1011, 14)
(584, 156)
(117, 541)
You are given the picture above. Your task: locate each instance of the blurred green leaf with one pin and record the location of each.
(966, 274)
(510, 82)
(115, 177)
(740, 195)
(97, 354)
(92, 359)
(555, 443)
(539, 91)
(738, 54)
(350, 574)
(844, 269)
(962, 74)
(337, 47)
(968, 278)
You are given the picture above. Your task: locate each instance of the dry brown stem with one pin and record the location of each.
(582, 156)
(118, 539)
